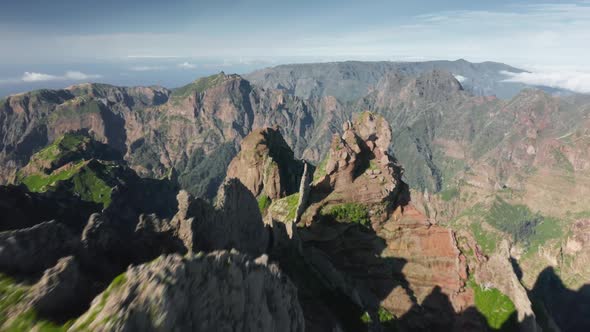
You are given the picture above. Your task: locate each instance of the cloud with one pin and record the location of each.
(187, 65)
(79, 76)
(147, 68)
(577, 81)
(41, 77)
(460, 78)
(38, 77)
(153, 56)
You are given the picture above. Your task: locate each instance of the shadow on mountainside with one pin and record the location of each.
(569, 309)
(337, 267)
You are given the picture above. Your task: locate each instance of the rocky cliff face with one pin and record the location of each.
(363, 238)
(351, 80)
(266, 165)
(192, 129)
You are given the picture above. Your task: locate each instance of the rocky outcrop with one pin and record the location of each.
(221, 291)
(235, 222)
(382, 251)
(358, 168)
(497, 272)
(62, 289)
(21, 208)
(266, 165)
(154, 236)
(32, 250)
(304, 189)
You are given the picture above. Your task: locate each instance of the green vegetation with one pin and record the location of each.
(449, 193)
(263, 202)
(69, 142)
(348, 212)
(486, 240)
(199, 86)
(496, 307)
(548, 228)
(320, 170)
(292, 202)
(386, 319)
(90, 316)
(41, 182)
(88, 182)
(373, 165)
(516, 220)
(75, 107)
(562, 161)
(285, 207)
(12, 295)
(203, 174)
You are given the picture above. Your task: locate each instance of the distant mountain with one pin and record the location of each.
(351, 80)
(195, 129)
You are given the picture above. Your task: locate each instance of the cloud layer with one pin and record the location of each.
(576, 81)
(42, 77)
(69, 75)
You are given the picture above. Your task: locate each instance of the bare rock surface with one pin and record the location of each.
(62, 288)
(220, 291)
(497, 272)
(235, 222)
(266, 165)
(397, 260)
(35, 249)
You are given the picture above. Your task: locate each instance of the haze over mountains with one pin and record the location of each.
(436, 196)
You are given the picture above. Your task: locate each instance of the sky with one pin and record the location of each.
(143, 42)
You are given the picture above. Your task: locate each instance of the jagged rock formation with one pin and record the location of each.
(408, 256)
(221, 291)
(20, 208)
(363, 239)
(358, 168)
(266, 165)
(35, 249)
(304, 189)
(234, 223)
(497, 272)
(61, 288)
(78, 264)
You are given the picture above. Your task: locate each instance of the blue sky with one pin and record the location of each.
(55, 43)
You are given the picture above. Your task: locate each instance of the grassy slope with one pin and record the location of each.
(12, 295)
(496, 307)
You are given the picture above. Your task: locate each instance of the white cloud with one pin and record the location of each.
(147, 68)
(79, 76)
(460, 78)
(187, 65)
(38, 77)
(69, 75)
(577, 81)
(148, 56)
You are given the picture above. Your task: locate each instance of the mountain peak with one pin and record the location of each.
(202, 84)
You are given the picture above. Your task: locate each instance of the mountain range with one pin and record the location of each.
(409, 196)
